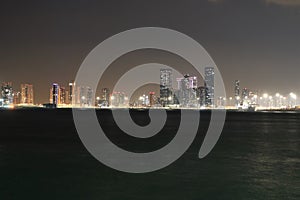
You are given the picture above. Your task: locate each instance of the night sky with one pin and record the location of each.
(255, 41)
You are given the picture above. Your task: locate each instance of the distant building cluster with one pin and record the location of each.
(10, 98)
(83, 96)
(246, 98)
(188, 94)
(73, 95)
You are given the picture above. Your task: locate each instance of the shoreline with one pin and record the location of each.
(158, 108)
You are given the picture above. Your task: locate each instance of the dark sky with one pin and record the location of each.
(256, 41)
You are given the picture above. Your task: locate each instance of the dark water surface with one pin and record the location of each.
(42, 157)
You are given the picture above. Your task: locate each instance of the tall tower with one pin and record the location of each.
(201, 95)
(151, 98)
(166, 77)
(245, 94)
(236, 88)
(7, 93)
(209, 79)
(71, 95)
(26, 94)
(62, 95)
(237, 92)
(55, 94)
(187, 87)
(105, 97)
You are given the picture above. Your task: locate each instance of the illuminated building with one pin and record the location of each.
(221, 102)
(7, 94)
(17, 98)
(85, 95)
(67, 100)
(166, 77)
(77, 95)
(26, 94)
(152, 98)
(236, 88)
(117, 99)
(106, 96)
(55, 94)
(187, 87)
(62, 95)
(104, 100)
(89, 96)
(237, 92)
(201, 92)
(71, 96)
(245, 94)
(209, 79)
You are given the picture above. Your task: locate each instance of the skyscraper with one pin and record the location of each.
(152, 99)
(209, 79)
(17, 98)
(89, 96)
(7, 94)
(62, 95)
(118, 99)
(237, 92)
(55, 94)
(245, 94)
(105, 97)
(201, 95)
(26, 94)
(71, 95)
(86, 96)
(236, 88)
(166, 77)
(187, 87)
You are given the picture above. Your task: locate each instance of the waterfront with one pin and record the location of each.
(257, 157)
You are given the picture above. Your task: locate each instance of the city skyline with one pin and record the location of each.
(189, 93)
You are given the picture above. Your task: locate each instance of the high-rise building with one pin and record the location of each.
(67, 100)
(236, 88)
(85, 96)
(106, 96)
(55, 94)
(166, 77)
(26, 94)
(237, 92)
(89, 96)
(245, 94)
(77, 95)
(17, 98)
(71, 95)
(118, 99)
(201, 94)
(7, 94)
(187, 87)
(209, 79)
(62, 95)
(152, 99)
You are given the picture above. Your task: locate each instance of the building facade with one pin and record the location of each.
(27, 94)
(209, 79)
(7, 94)
(187, 87)
(166, 78)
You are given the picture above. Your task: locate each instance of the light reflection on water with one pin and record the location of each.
(257, 157)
